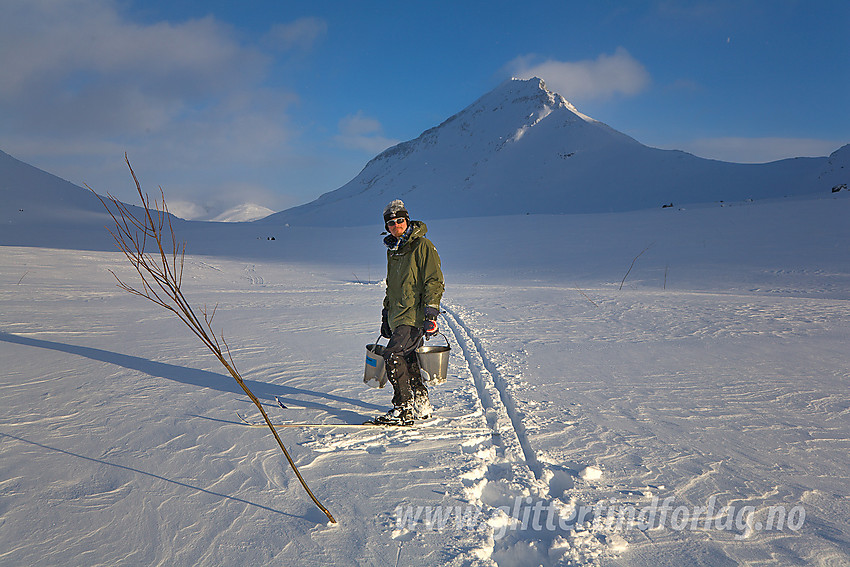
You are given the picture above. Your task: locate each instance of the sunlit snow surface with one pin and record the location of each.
(718, 373)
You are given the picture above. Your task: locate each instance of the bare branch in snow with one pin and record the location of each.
(149, 243)
(633, 264)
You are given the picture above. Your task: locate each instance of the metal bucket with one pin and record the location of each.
(375, 375)
(434, 362)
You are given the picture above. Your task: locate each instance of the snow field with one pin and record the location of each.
(752, 413)
(120, 444)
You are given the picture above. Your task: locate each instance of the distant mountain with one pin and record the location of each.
(40, 209)
(523, 149)
(27, 189)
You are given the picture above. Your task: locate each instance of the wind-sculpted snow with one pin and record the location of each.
(698, 415)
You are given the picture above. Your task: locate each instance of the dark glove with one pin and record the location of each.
(430, 327)
(386, 332)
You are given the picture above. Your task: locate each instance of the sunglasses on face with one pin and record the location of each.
(393, 222)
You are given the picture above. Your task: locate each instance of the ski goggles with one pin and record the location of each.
(393, 222)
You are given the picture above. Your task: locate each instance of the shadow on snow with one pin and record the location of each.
(205, 379)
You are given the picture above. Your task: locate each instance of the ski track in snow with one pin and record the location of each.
(511, 477)
(500, 473)
(481, 365)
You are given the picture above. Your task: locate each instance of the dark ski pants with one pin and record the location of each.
(402, 365)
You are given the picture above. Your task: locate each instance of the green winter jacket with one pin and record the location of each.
(414, 277)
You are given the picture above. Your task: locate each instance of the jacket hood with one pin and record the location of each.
(419, 229)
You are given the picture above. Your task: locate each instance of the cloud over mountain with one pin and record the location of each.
(607, 75)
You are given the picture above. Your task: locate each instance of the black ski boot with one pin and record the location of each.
(399, 415)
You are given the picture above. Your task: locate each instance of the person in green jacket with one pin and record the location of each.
(411, 306)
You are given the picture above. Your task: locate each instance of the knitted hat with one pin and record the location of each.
(394, 210)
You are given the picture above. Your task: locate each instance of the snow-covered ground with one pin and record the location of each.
(717, 376)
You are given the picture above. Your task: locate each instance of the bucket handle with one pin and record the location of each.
(442, 335)
(426, 338)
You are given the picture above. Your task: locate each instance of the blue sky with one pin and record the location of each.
(276, 102)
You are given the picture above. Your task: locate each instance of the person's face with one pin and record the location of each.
(397, 226)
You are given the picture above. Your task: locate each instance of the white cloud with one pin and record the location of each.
(359, 132)
(81, 84)
(187, 209)
(600, 78)
(74, 44)
(758, 150)
(302, 34)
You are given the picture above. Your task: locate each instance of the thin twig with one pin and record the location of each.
(585, 295)
(161, 276)
(633, 264)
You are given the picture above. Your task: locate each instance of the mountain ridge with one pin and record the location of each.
(519, 149)
(522, 149)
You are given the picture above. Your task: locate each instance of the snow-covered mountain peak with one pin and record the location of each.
(522, 148)
(518, 98)
(534, 90)
(504, 152)
(504, 115)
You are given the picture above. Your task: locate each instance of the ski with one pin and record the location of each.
(421, 426)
